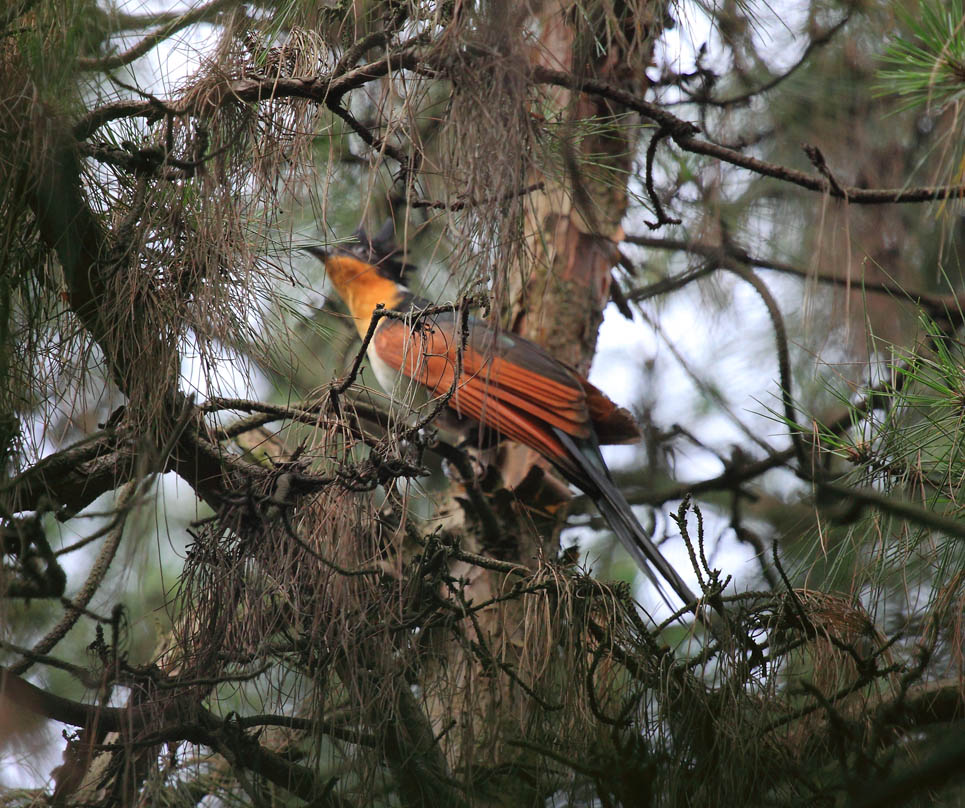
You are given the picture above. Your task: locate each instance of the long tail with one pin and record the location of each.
(616, 510)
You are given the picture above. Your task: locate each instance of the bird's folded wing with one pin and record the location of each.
(506, 383)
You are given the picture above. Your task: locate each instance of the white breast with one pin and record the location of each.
(406, 396)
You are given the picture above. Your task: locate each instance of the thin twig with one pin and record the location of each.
(662, 217)
(937, 306)
(466, 203)
(783, 358)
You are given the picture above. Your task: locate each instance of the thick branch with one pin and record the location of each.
(206, 729)
(684, 135)
(71, 479)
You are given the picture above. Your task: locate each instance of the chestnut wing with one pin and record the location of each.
(507, 383)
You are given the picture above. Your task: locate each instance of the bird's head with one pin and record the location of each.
(365, 272)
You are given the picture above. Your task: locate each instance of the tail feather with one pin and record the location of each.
(616, 510)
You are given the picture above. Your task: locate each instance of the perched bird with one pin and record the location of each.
(508, 384)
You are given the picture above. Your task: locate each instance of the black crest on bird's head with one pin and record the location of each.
(381, 251)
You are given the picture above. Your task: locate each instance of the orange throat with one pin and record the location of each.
(361, 287)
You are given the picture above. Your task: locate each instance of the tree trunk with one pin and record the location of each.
(556, 296)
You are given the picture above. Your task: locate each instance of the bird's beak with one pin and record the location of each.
(319, 252)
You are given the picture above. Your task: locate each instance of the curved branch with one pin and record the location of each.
(154, 38)
(783, 355)
(937, 306)
(816, 42)
(662, 217)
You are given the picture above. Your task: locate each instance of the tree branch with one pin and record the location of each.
(937, 306)
(816, 42)
(150, 41)
(325, 89)
(902, 508)
(684, 135)
(329, 90)
(69, 480)
(205, 728)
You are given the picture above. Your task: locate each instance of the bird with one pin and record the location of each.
(507, 384)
